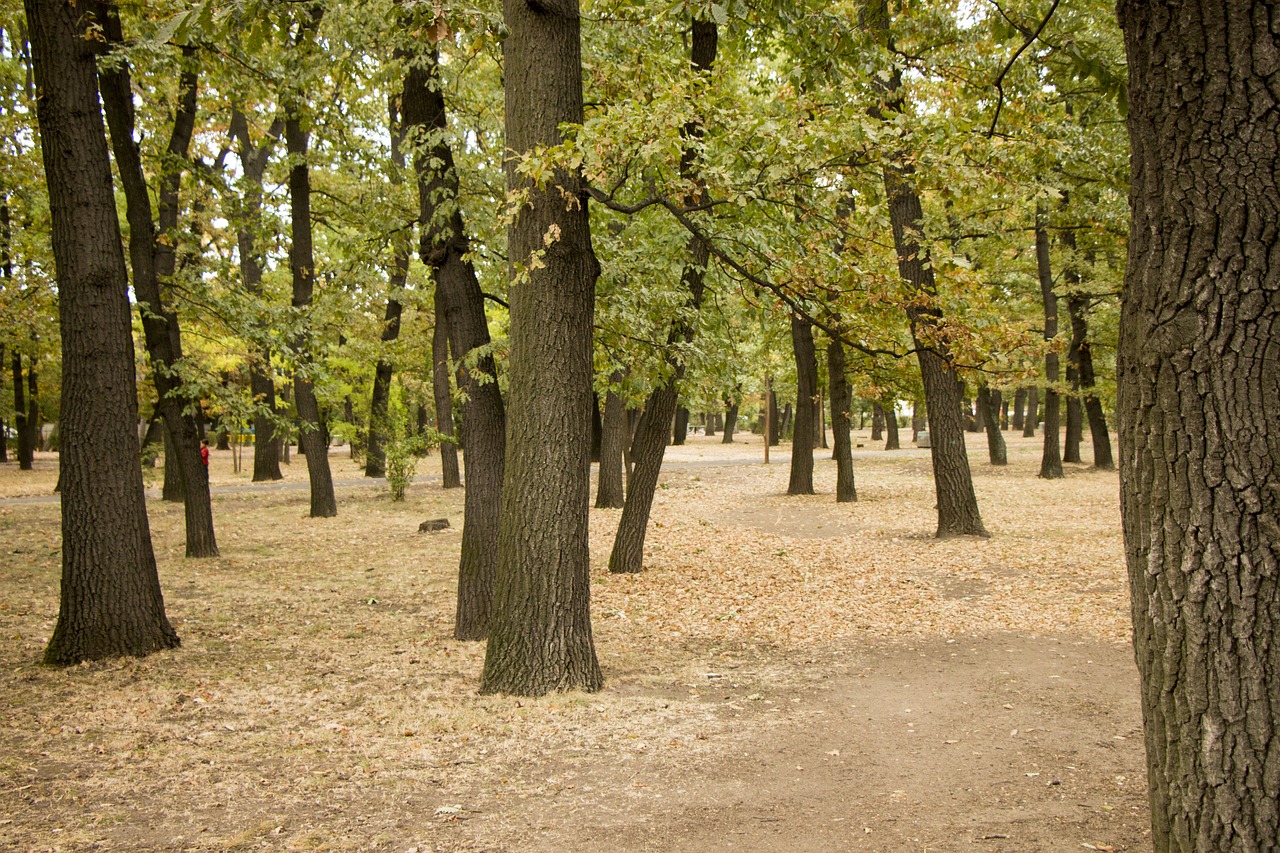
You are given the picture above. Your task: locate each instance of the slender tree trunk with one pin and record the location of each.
(650, 441)
(540, 631)
(841, 423)
(444, 250)
(22, 417)
(444, 396)
(989, 403)
(1098, 432)
(1199, 403)
(613, 440)
(311, 438)
(774, 426)
(730, 421)
(153, 257)
(802, 438)
(1051, 458)
(1032, 417)
(110, 601)
(889, 410)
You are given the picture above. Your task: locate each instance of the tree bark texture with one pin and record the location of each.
(22, 417)
(540, 631)
(1051, 457)
(730, 421)
(153, 257)
(841, 422)
(444, 249)
(800, 481)
(889, 408)
(1199, 413)
(302, 265)
(1099, 434)
(110, 600)
(680, 431)
(989, 403)
(650, 441)
(613, 441)
(442, 393)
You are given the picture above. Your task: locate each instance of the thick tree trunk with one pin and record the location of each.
(877, 422)
(709, 424)
(1051, 457)
(802, 438)
(650, 441)
(1074, 433)
(681, 429)
(444, 248)
(540, 632)
(918, 419)
(730, 421)
(613, 441)
(1199, 404)
(989, 403)
(889, 409)
(1019, 409)
(1032, 418)
(172, 489)
(153, 255)
(443, 395)
(110, 601)
(841, 423)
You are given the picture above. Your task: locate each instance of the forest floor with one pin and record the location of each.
(788, 674)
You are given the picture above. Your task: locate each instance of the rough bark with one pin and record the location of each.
(1051, 457)
(540, 631)
(311, 438)
(613, 441)
(444, 248)
(171, 489)
(650, 441)
(442, 393)
(989, 403)
(153, 257)
(802, 437)
(841, 423)
(110, 600)
(1199, 404)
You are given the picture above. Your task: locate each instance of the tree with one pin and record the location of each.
(802, 438)
(110, 601)
(1051, 458)
(540, 630)
(1199, 405)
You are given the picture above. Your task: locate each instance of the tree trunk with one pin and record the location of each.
(841, 422)
(110, 601)
(802, 438)
(918, 418)
(540, 632)
(775, 429)
(1051, 458)
(1032, 418)
(1098, 432)
(1019, 409)
(649, 444)
(153, 256)
(709, 424)
(22, 418)
(730, 421)
(443, 394)
(889, 410)
(613, 441)
(989, 404)
(311, 438)
(1199, 407)
(877, 422)
(681, 429)
(173, 489)
(1075, 422)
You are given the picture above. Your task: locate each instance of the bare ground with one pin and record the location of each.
(787, 675)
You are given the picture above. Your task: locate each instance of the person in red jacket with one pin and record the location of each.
(204, 451)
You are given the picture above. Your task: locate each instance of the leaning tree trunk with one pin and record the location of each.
(540, 631)
(153, 257)
(802, 437)
(311, 438)
(110, 601)
(444, 249)
(989, 404)
(613, 441)
(443, 395)
(841, 422)
(1051, 458)
(1199, 403)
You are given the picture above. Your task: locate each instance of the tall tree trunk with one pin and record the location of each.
(311, 437)
(709, 424)
(153, 256)
(22, 417)
(877, 422)
(841, 422)
(989, 404)
(444, 248)
(730, 421)
(1199, 405)
(1051, 458)
(681, 430)
(443, 394)
(1019, 409)
(613, 441)
(1074, 434)
(172, 489)
(802, 437)
(918, 418)
(953, 482)
(1032, 418)
(775, 421)
(889, 408)
(1098, 432)
(267, 446)
(110, 601)
(375, 454)
(540, 631)
(650, 441)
